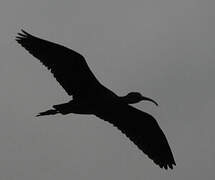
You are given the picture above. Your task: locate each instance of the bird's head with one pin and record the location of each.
(135, 97)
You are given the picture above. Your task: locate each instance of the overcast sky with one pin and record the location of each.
(161, 48)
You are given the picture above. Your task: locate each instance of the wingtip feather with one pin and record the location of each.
(21, 35)
(26, 33)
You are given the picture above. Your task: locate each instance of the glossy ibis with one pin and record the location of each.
(89, 96)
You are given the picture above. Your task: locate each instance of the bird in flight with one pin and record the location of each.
(89, 96)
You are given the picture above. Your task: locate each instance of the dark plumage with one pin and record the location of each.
(91, 97)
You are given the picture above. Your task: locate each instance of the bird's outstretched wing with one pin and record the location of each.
(143, 130)
(68, 67)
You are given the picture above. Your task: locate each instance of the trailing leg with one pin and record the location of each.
(48, 112)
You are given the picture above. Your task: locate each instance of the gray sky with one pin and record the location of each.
(162, 48)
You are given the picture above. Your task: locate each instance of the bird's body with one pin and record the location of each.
(91, 97)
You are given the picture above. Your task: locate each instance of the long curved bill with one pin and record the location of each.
(149, 99)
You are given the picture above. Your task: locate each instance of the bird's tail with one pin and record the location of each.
(48, 112)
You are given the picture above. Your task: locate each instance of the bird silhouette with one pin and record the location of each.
(89, 96)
